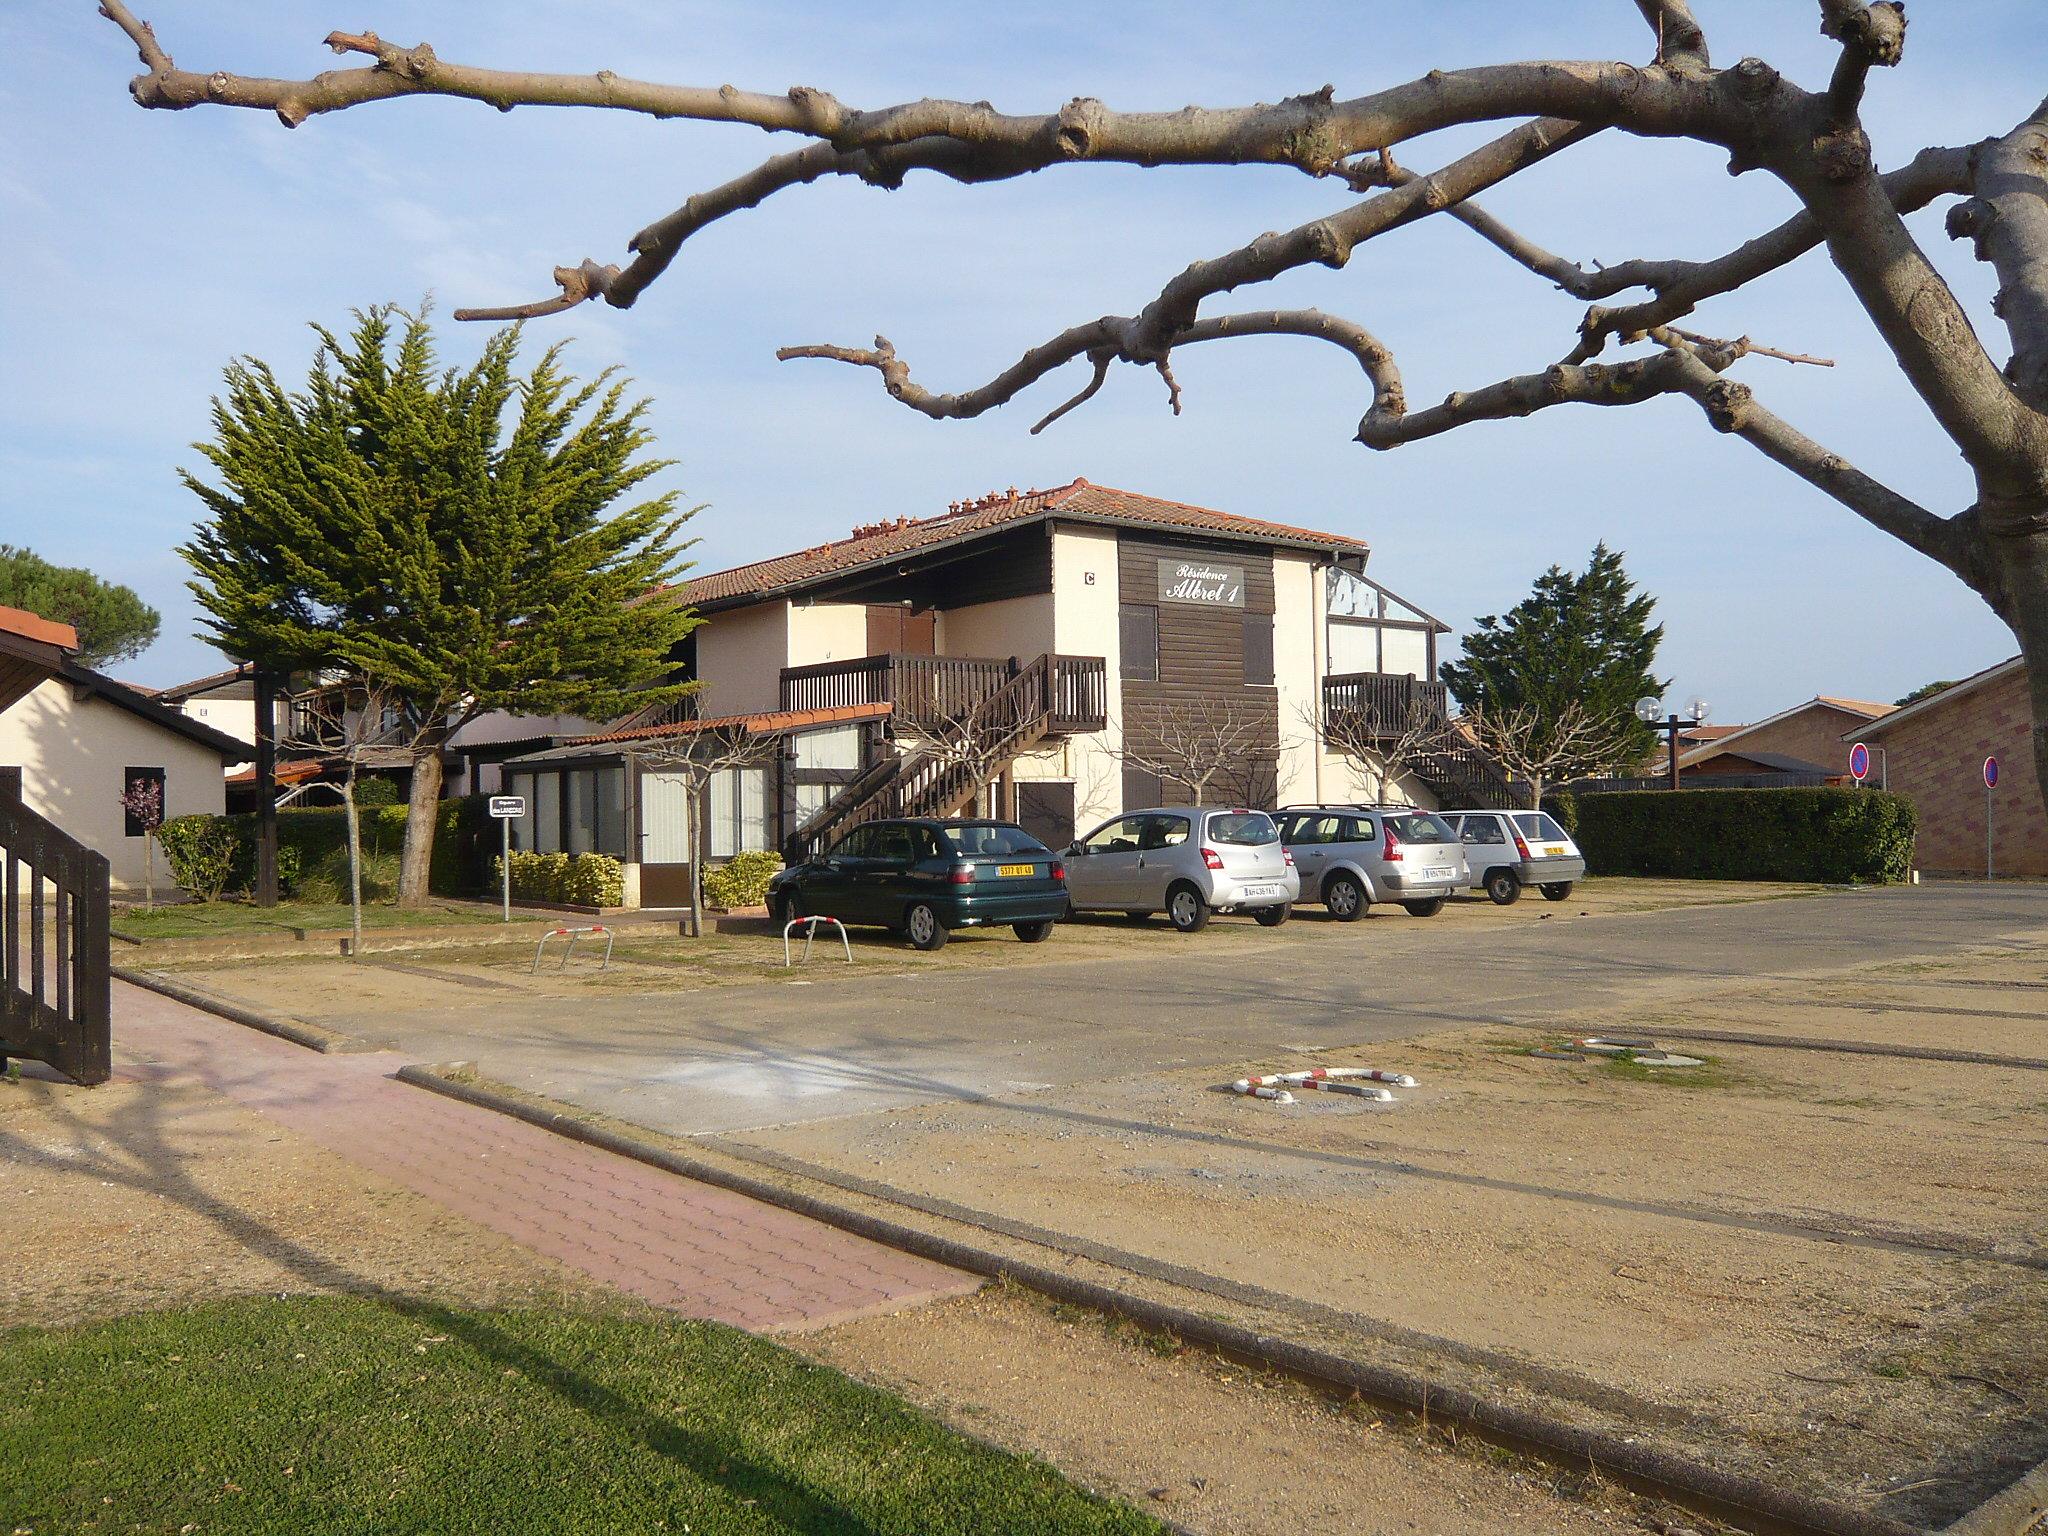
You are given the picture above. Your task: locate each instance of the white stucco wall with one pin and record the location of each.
(740, 657)
(1022, 627)
(1084, 590)
(1299, 663)
(822, 632)
(72, 754)
(237, 717)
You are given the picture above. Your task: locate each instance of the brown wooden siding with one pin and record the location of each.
(1201, 649)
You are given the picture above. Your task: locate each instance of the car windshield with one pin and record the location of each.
(1539, 826)
(992, 840)
(1420, 827)
(1250, 829)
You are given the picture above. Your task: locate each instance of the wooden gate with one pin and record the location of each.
(55, 1005)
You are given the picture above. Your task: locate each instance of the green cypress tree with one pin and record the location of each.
(446, 535)
(113, 624)
(1578, 638)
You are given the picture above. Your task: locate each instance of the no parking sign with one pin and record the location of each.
(1991, 773)
(1990, 783)
(1859, 762)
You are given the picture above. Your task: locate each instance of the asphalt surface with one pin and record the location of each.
(746, 1056)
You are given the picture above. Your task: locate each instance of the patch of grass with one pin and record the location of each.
(1890, 1370)
(350, 1414)
(1710, 1073)
(199, 919)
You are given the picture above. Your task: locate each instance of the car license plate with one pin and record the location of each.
(1553, 853)
(1436, 874)
(1017, 869)
(1262, 890)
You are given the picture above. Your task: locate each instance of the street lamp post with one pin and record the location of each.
(1646, 711)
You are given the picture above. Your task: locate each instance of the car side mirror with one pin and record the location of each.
(1076, 851)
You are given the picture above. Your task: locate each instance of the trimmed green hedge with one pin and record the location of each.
(1839, 836)
(465, 841)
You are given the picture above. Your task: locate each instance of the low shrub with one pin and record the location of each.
(1564, 806)
(1839, 836)
(200, 851)
(587, 879)
(742, 881)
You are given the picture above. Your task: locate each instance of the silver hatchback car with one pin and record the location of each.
(1507, 850)
(1351, 856)
(1186, 862)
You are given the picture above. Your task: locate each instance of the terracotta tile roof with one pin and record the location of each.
(765, 724)
(1079, 501)
(29, 626)
(1862, 707)
(296, 772)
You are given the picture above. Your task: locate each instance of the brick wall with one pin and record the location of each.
(1937, 758)
(1813, 735)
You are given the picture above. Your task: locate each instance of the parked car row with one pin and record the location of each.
(929, 877)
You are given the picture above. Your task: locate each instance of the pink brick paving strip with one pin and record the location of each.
(696, 1250)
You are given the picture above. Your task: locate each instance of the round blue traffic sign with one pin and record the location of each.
(1991, 773)
(1859, 762)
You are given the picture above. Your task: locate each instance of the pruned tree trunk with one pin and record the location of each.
(422, 810)
(355, 863)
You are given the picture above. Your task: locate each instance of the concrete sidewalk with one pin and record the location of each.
(696, 1250)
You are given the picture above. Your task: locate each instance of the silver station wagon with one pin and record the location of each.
(1351, 856)
(1186, 862)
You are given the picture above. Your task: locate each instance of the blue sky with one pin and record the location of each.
(139, 252)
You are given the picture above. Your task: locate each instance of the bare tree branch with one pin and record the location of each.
(1198, 743)
(1383, 746)
(1539, 749)
(1872, 36)
(1681, 45)
(699, 754)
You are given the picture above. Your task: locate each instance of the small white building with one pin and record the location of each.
(73, 742)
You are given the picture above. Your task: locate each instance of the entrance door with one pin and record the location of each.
(664, 840)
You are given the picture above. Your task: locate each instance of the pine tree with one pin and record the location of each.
(113, 624)
(1579, 638)
(446, 536)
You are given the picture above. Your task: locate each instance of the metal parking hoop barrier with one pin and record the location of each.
(569, 949)
(810, 927)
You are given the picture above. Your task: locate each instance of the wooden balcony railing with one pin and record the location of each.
(939, 690)
(1389, 701)
(55, 1004)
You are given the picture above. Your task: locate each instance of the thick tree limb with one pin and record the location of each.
(1681, 45)
(2008, 224)
(1872, 36)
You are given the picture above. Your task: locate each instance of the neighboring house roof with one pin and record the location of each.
(1771, 762)
(23, 625)
(1706, 733)
(296, 771)
(31, 648)
(98, 685)
(1948, 695)
(1862, 707)
(1078, 502)
(177, 693)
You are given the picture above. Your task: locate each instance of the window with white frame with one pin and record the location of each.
(738, 817)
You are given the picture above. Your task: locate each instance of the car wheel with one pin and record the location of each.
(1427, 907)
(1345, 898)
(1034, 933)
(1186, 910)
(1558, 890)
(1273, 917)
(922, 927)
(789, 906)
(1502, 886)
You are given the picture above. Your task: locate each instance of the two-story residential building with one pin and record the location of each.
(1053, 655)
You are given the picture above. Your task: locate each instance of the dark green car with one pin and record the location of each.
(927, 878)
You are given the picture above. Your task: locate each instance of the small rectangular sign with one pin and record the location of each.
(508, 807)
(1201, 581)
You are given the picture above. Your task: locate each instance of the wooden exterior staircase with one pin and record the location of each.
(962, 756)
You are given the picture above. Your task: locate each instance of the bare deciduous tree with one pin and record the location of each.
(699, 756)
(1384, 746)
(1537, 749)
(1810, 140)
(981, 739)
(1200, 744)
(358, 724)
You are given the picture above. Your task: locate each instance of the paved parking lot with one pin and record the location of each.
(819, 1043)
